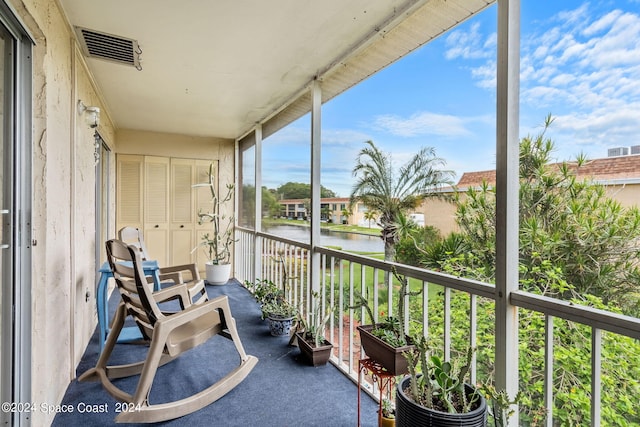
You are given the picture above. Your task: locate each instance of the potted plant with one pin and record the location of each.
(280, 314)
(263, 291)
(438, 395)
(313, 345)
(387, 414)
(217, 244)
(386, 342)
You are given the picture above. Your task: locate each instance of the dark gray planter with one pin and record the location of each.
(410, 414)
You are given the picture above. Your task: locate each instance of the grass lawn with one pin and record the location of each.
(369, 280)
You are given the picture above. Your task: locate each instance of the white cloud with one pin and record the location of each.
(468, 44)
(582, 65)
(423, 123)
(602, 24)
(343, 137)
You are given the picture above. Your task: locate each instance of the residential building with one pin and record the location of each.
(336, 210)
(620, 174)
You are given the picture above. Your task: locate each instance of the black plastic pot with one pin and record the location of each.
(410, 414)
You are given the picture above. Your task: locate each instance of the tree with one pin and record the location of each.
(379, 187)
(270, 205)
(565, 221)
(299, 190)
(576, 244)
(370, 216)
(345, 214)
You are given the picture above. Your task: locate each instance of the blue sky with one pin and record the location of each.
(580, 62)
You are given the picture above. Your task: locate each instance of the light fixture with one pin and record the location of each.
(92, 117)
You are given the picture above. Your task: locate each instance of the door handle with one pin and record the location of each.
(4, 245)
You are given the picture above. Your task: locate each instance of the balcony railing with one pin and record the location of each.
(342, 275)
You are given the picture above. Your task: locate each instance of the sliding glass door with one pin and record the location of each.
(15, 218)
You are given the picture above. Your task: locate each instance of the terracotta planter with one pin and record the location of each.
(217, 274)
(391, 358)
(316, 356)
(387, 422)
(409, 413)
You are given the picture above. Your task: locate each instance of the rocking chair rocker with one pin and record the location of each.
(169, 336)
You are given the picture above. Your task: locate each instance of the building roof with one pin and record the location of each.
(608, 169)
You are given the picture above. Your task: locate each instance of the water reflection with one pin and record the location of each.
(345, 241)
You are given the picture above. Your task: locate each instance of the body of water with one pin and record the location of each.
(345, 241)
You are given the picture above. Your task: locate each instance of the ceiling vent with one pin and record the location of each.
(96, 44)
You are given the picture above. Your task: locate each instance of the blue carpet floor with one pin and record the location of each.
(280, 391)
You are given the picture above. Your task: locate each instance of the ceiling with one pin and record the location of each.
(215, 68)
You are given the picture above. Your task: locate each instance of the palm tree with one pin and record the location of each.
(370, 216)
(392, 193)
(346, 213)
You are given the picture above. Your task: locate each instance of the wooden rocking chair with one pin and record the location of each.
(186, 273)
(169, 335)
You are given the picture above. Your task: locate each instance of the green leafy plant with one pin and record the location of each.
(279, 308)
(390, 329)
(263, 290)
(314, 329)
(500, 406)
(436, 384)
(387, 409)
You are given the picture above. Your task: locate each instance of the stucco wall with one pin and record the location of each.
(439, 214)
(130, 141)
(628, 195)
(63, 225)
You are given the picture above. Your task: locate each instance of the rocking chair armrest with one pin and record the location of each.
(179, 291)
(191, 268)
(174, 277)
(193, 312)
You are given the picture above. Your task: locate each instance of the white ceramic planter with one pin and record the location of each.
(217, 274)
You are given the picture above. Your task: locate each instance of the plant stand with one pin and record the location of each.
(380, 376)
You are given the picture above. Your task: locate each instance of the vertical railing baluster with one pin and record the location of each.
(351, 311)
(341, 311)
(447, 324)
(596, 375)
(473, 340)
(548, 369)
(376, 274)
(406, 307)
(425, 309)
(363, 292)
(390, 295)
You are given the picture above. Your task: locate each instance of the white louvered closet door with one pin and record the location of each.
(183, 217)
(156, 208)
(129, 184)
(156, 194)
